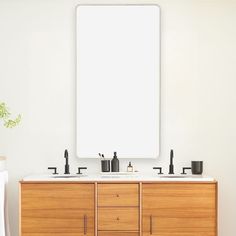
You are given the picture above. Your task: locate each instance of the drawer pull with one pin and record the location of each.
(117, 195)
(85, 224)
(117, 218)
(150, 224)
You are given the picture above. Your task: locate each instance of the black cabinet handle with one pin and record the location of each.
(79, 170)
(85, 224)
(53, 168)
(150, 224)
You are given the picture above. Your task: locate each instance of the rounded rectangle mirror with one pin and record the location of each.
(118, 80)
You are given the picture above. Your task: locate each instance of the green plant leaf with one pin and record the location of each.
(5, 116)
(4, 113)
(12, 123)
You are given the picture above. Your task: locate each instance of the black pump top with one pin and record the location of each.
(130, 164)
(115, 156)
(66, 154)
(171, 153)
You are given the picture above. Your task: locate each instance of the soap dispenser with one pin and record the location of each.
(130, 167)
(115, 163)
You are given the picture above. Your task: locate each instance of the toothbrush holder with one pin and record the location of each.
(105, 165)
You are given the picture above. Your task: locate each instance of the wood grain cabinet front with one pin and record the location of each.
(118, 219)
(179, 209)
(124, 195)
(118, 209)
(50, 209)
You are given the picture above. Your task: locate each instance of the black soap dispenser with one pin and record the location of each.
(115, 163)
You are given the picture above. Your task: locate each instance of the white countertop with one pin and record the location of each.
(133, 177)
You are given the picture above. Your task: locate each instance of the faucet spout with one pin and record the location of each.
(171, 166)
(67, 167)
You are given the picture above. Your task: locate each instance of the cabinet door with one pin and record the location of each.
(57, 209)
(179, 209)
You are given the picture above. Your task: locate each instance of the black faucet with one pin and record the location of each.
(171, 166)
(67, 167)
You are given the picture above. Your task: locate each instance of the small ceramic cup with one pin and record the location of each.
(197, 167)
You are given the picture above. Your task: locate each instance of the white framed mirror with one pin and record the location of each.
(118, 80)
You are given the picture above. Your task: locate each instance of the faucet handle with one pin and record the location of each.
(79, 170)
(55, 170)
(184, 169)
(160, 170)
(66, 153)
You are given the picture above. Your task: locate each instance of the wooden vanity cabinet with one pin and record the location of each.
(179, 209)
(49, 209)
(118, 209)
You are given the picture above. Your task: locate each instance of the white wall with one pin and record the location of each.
(37, 79)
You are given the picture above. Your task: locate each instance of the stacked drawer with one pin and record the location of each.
(118, 209)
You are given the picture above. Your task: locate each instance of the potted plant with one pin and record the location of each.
(5, 116)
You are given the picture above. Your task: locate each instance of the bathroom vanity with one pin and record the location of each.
(124, 206)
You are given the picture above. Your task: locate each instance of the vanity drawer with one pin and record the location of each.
(114, 233)
(118, 195)
(121, 219)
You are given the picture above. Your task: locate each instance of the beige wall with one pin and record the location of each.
(37, 79)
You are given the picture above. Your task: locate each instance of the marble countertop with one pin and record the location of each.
(118, 177)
